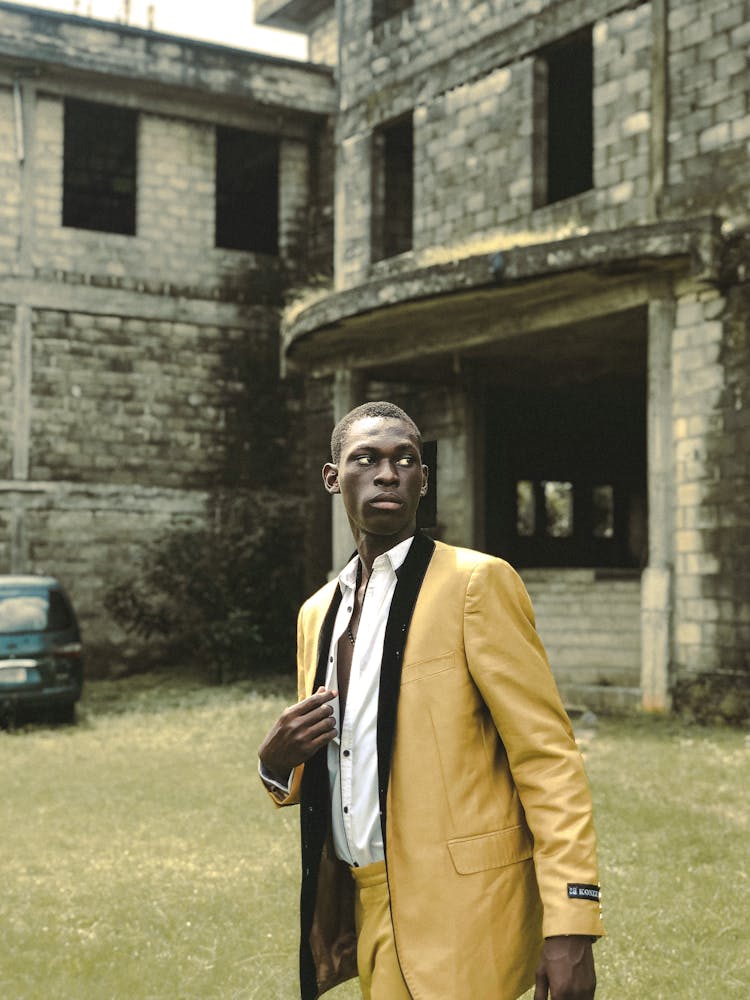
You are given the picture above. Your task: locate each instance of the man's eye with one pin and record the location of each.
(406, 460)
(363, 459)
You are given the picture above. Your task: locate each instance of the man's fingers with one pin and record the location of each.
(315, 701)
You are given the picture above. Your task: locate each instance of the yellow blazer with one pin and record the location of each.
(490, 843)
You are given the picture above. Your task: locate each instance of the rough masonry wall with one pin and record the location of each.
(324, 38)
(10, 202)
(122, 399)
(7, 319)
(711, 390)
(709, 105)
(591, 630)
(473, 139)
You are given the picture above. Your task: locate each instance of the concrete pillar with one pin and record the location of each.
(659, 104)
(25, 112)
(656, 581)
(475, 422)
(348, 392)
(293, 199)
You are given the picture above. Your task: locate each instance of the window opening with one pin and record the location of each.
(393, 189)
(247, 191)
(525, 508)
(558, 508)
(99, 167)
(603, 503)
(564, 114)
(383, 10)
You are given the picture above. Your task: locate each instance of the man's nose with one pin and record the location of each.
(387, 472)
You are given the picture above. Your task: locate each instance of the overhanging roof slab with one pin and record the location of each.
(450, 308)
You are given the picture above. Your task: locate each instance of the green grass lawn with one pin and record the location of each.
(142, 861)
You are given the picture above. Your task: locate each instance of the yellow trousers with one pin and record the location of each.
(377, 963)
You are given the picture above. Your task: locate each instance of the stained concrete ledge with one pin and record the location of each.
(294, 15)
(33, 39)
(377, 318)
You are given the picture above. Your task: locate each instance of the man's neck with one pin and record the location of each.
(370, 547)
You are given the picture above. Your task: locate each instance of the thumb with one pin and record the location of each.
(542, 985)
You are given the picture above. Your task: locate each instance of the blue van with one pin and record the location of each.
(41, 664)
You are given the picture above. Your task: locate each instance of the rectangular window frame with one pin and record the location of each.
(247, 180)
(100, 163)
(384, 10)
(392, 203)
(563, 141)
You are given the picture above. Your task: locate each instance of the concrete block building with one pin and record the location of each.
(541, 250)
(157, 196)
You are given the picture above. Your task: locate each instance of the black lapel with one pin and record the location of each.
(410, 577)
(315, 814)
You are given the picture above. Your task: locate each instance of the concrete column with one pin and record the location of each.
(656, 581)
(25, 111)
(475, 421)
(293, 199)
(348, 392)
(659, 104)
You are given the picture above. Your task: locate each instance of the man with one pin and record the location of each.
(448, 849)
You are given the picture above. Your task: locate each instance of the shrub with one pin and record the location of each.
(222, 595)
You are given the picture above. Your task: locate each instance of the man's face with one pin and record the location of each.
(380, 478)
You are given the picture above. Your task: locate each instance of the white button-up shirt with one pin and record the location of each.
(352, 754)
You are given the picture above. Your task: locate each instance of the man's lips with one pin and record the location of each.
(386, 501)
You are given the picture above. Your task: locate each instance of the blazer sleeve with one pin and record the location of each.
(277, 796)
(508, 663)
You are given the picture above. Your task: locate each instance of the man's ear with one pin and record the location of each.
(425, 477)
(331, 477)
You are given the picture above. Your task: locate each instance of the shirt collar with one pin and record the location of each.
(395, 556)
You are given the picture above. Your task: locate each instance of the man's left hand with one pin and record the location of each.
(566, 969)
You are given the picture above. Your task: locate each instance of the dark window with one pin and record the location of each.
(564, 127)
(393, 189)
(99, 167)
(247, 191)
(383, 10)
(566, 474)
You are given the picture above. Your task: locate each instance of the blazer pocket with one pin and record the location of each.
(415, 669)
(491, 850)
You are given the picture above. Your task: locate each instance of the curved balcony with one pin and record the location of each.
(473, 305)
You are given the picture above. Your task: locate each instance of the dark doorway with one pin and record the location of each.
(566, 474)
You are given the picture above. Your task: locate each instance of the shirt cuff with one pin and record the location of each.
(267, 779)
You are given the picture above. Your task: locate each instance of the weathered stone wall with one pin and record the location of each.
(7, 319)
(711, 389)
(161, 396)
(591, 630)
(324, 38)
(10, 203)
(709, 115)
(473, 133)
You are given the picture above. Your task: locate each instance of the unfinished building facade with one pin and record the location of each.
(541, 250)
(156, 198)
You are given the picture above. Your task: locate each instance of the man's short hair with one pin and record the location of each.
(381, 408)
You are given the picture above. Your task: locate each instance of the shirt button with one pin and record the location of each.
(346, 753)
(331, 660)
(346, 809)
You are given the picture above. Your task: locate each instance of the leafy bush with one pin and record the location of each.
(224, 596)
